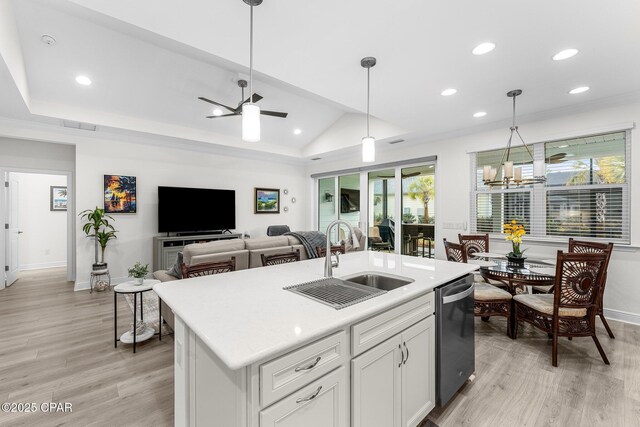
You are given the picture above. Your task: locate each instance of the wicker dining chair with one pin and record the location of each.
(280, 258)
(474, 243)
(335, 249)
(571, 310)
(578, 246)
(455, 252)
(208, 268)
(488, 300)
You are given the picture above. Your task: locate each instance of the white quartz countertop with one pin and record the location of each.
(246, 317)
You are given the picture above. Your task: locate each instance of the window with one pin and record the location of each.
(586, 194)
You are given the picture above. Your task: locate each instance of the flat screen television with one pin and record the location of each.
(182, 210)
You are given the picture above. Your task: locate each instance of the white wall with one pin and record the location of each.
(453, 185)
(157, 166)
(43, 243)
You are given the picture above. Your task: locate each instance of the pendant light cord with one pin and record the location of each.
(368, 92)
(251, 58)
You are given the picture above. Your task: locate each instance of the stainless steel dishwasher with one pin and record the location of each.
(455, 334)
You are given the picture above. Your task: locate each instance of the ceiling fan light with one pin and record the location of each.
(368, 149)
(250, 122)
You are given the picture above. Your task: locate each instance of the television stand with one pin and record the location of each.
(165, 249)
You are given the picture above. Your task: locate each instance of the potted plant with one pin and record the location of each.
(96, 221)
(139, 272)
(515, 232)
(103, 238)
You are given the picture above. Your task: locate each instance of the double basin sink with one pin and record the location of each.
(346, 291)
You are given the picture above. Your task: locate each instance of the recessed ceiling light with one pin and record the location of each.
(479, 114)
(83, 80)
(448, 92)
(483, 48)
(565, 54)
(297, 131)
(217, 112)
(48, 39)
(579, 90)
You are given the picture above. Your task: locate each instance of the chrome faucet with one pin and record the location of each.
(329, 264)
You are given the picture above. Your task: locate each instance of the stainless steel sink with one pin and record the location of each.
(335, 292)
(378, 280)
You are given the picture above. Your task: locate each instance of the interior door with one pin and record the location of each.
(11, 233)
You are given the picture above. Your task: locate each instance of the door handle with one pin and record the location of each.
(406, 348)
(459, 296)
(313, 396)
(402, 353)
(20, 232)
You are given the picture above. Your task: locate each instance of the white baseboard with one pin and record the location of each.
(84, 286)
(54, 264)
(622, 316)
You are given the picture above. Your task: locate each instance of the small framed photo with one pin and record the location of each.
(58, 198)
(267, 200)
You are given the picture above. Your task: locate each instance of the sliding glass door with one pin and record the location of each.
(396, 207)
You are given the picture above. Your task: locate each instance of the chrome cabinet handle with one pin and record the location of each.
(406, 348)
(306, 368)
(308, 398)
(401, 352)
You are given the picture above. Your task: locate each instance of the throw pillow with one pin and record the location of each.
(176, 270)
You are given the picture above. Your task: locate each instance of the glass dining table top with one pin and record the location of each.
(527, 270)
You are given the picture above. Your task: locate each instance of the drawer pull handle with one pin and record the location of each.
(406, 348)
(313, 396)
(306, 368)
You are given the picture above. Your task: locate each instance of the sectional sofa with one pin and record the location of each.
(247, 252)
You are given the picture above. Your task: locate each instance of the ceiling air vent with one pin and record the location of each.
(316, 158)
(78, 125)
(396, 141)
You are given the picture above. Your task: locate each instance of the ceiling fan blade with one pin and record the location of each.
(274, 114)
(216, 103)
(556, 158)
(223, 115)
(255, 97)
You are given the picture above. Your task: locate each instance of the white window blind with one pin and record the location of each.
(586, 194)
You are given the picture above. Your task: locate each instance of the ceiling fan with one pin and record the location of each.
(237, 111)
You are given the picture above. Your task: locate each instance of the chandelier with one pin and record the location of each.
(512, 176)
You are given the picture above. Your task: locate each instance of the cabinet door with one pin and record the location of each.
(323, 403)
(375, 386)
(418, 372)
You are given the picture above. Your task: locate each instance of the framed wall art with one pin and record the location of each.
(267, 200)
(120, 194)
(58, 198)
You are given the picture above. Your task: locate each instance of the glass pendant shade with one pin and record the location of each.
(250, 122)
(368, 149)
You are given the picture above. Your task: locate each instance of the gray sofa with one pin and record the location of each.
(248, 254)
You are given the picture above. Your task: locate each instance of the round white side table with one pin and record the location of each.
(132, 288)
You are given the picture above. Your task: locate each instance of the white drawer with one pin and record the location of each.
(373, 331)
(294, 370)
(322, 403)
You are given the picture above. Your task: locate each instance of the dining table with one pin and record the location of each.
(518, 280)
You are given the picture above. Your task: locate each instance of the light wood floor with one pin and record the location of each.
(57, 345)
(516, 385)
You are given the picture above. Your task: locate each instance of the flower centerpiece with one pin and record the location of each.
(515, 232)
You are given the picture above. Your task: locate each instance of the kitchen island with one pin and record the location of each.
(249, 354)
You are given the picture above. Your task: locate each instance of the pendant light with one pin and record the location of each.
(250, 111)
(513, 175)
(368, 142)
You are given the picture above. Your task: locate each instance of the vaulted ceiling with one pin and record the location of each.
(149, 60)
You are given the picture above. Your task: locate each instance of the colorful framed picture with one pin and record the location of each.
(58, 198)
(120, 194)
(267, 200)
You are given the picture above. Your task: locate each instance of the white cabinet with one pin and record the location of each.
(323, 403)
(418, 372)
(393, 384)
(376, 381)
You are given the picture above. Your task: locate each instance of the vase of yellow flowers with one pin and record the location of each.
(515, 232)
